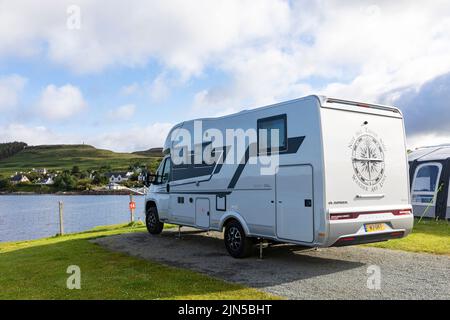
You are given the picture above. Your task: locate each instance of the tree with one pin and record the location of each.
(84, 184)
(100, 179)
(75, 170)
(66, 181)
(11, 148)
(5, 184)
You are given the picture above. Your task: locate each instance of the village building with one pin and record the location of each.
(118, 177)
(19, 178)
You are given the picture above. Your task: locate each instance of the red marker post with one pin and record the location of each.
(132, 208)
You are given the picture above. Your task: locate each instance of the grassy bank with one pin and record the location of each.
(37, 270)
(64, 157)
(428, 236)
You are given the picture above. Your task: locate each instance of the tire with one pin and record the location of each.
(238, 245)
(154, 226)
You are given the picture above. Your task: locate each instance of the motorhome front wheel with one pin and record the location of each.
(154, 226)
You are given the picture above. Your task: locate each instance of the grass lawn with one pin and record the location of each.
(428, 236)
(37, 270)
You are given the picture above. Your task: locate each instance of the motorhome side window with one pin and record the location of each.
(163, 172)
(265, 129)
(166, 171)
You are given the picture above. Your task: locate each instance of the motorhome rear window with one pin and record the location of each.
(265, 128)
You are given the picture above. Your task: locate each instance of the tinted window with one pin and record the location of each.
(266, 127)
(166, 171)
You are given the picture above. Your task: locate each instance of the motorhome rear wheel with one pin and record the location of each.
(237, 243)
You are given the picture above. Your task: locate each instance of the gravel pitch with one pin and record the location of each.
(294, 273)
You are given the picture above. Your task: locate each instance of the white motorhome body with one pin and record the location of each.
(341, 178)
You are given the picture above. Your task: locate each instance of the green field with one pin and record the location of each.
(428, 236)
(61, 157)
(37, 270)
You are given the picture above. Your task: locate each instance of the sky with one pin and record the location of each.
(118, 75)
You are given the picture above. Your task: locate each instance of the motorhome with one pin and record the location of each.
(315, 171)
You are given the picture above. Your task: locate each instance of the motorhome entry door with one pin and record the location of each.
(202, 212)
(294, 197)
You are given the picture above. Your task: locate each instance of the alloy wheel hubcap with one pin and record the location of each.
(234, 238)
(151, 219)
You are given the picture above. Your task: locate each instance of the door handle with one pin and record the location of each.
(168, 187)
(308, 203)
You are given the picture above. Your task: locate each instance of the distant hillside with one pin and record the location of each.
(11, 148)
(60, 157)
(153, 152)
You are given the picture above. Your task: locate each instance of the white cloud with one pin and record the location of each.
(133, 139)
(10, 89)
(269, 50)
(58, 103)
(181, 34)
(130, 89)
(124, 112)
(159, 88)
(348, 49)
(33, 135)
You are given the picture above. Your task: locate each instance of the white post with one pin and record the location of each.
(61, 218)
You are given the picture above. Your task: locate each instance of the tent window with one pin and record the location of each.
(426, 183)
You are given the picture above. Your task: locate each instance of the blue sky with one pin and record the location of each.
(118, 75)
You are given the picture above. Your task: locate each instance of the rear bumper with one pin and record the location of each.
(349, 241)
(352, 231)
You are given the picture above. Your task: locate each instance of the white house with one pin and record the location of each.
(46, 181)
(19, 178)
(118, 177)
(40, 170)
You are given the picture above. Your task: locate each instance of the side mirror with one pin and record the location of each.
(151, 179)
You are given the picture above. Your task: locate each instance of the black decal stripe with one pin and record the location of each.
(293, 146)
(219, 193)
(239, 169)
(183, 172)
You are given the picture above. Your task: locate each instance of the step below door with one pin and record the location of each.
(295, 212)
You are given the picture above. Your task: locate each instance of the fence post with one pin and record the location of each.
(131, 208)
(61, 218)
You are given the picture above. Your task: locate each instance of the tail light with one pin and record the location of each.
(343, 216)
(355, 215)
(401, 212)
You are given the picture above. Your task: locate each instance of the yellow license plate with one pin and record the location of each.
(375, 227)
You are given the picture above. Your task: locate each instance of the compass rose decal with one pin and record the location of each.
(368, 160)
